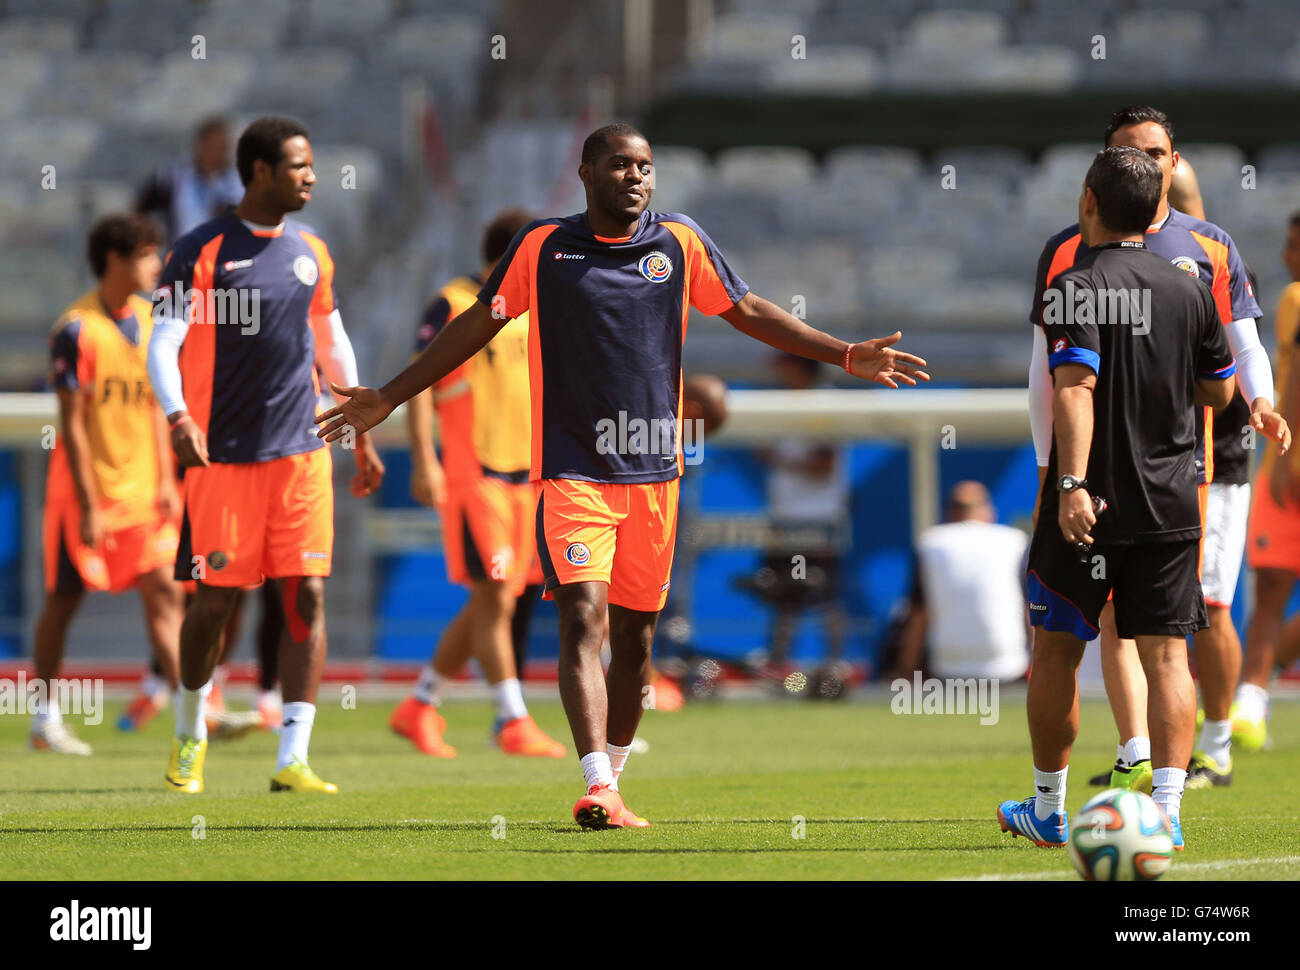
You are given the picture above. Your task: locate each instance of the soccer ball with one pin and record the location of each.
(1121, 835)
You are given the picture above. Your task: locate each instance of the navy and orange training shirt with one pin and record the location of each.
(607, 321)
(248, 364)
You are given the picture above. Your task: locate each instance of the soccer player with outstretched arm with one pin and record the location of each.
(608, 292)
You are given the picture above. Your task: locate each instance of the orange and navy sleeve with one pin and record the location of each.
(1057, 256)
(70, 369)
(712, 286)
(1240, 290)
(508, 292)
(1214, 359)
(436, 316)
(323, 302)
(176, 281)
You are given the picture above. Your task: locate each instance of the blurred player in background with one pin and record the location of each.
(1273, 544)
(1207, 253)
(237, 380)
(488, 508)
(111, 503)
(188, 191)
(808, 496)
(608, 292)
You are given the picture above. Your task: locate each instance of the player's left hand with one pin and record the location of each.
(876, 360)
(1076, 516)
(1272, 425)
(370, 468)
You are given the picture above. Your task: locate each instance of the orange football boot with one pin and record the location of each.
(144, 708)
(523, 736)
(423, 725)
(600, 808)
(630, 819)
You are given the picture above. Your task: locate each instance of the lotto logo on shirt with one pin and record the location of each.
(656, 267)
(1058, 346)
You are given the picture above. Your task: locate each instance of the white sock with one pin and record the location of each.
(1119, 753)
(596, 769)
(1252, 702)
(189, 706)
(151, 685)
(295, 733)
(1167, 789)
(510, 700)
(428, 687)
(1137, 749)
(1216, 739)
(1049, 792)
(44, 712)
(617, 759)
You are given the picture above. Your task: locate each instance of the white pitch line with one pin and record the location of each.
(1208, 866)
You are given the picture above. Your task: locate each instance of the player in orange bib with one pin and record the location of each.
(244, 315)
(111, 503)
(487, 504)
(608, 292)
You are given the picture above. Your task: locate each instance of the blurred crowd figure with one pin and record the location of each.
(967, 613)
(808, 504)
(187, 191)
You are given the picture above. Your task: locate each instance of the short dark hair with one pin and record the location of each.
(505, 225)
(1127, 183)
(1294, 220)
(119, 233)
(263, 141)
(1136, 115)
(598, 141)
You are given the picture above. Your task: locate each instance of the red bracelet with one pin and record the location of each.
(848, 354)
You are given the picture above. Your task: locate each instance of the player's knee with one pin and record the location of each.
(212, 604)
(1272, 588)
(585, 620)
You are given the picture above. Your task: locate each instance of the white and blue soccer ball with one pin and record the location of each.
(1121, 835)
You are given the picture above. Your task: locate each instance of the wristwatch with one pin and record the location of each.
(1068, 483)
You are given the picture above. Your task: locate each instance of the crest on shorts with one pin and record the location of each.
(304, 267)
(218, 560)
(656, 267)
(1188, 266)
(577, 554)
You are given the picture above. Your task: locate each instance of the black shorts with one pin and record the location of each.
(1156, 586)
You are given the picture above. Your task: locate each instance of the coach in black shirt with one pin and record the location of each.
(1134, 344)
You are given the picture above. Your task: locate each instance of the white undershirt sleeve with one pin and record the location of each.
(1254, 372)
(163, 363)
(334, 351)
(1041, 393)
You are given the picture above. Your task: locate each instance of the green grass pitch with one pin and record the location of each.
(882, 796)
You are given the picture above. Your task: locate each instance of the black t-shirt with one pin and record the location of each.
(1148, 330)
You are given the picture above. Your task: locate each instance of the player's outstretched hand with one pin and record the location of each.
(370, 468)
(1272, 425)
(364, 408)
(876, 360)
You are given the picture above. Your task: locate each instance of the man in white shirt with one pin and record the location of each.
(968, 603)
